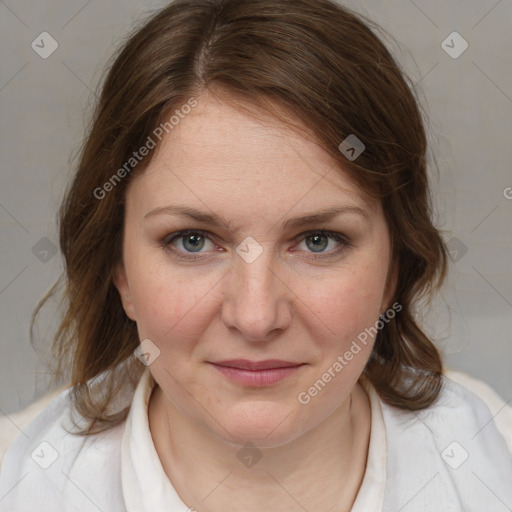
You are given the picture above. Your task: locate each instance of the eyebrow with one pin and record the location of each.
(295, 222)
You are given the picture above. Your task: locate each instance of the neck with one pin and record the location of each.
(321, 469)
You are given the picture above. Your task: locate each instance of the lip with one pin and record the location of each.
(257, 373)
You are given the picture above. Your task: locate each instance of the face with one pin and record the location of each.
(253, 263)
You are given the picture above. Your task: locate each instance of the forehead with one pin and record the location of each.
(219, 154)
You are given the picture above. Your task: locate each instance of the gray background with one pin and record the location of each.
(45, 104)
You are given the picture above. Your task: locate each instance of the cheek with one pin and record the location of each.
(346, 303)
(170, 306)
(342, 316)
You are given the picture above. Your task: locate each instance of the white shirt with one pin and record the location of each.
(450, 458)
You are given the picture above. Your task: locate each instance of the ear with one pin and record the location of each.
(390, 287)
(121, 283)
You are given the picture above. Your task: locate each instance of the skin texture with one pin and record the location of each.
(290, 303)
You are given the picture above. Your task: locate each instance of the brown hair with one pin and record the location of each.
(325, 66)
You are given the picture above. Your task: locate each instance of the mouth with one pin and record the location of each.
(257, 373)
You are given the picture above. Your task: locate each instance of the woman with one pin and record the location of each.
(246, 239)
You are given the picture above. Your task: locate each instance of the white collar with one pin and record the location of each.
(146, 487)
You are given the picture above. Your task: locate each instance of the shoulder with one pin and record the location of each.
(49, 464)
(500, 409)
(463, 401)
(466, 408)
(12, 425)
(452, 453)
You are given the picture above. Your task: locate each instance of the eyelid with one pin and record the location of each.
(343, 241)
(184, 232)
(333, 234)
(166, 243)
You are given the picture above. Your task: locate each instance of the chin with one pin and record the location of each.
(263, 424)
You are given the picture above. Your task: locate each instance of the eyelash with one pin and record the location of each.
(338, 237)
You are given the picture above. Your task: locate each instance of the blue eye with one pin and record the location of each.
(189, 240)
(319, 242)
(193, 244)
(324, 243)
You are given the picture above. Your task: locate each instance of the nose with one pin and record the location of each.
(257, 302)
